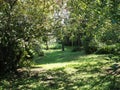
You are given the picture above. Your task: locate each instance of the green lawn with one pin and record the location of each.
(67, 70)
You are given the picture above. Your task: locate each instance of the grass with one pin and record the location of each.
(67, 71)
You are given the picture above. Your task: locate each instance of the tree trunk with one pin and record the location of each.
(47, 45)
(63, 46)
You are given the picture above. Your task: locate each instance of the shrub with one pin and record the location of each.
(41, 53)
(38, 50)
(90, 45)
(109, 49)
(10, 56)
(75, 49)
(56, 46)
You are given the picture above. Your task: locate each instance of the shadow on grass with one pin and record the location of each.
(49, 80)
(84, 77)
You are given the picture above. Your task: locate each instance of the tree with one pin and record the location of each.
(21, 22)
(96, 21)
(61, 16)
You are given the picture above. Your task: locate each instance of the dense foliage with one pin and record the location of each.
(95, 23)
(21, 24)
(92, 25)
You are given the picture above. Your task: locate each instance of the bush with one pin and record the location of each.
(90, 45)
(10, 56)
(117, 49)
(38, 50)
(41, 53)
(109, 49)
(75, 49)
(56, 46)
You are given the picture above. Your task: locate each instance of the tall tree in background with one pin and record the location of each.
(96, 21)
(61, 16)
